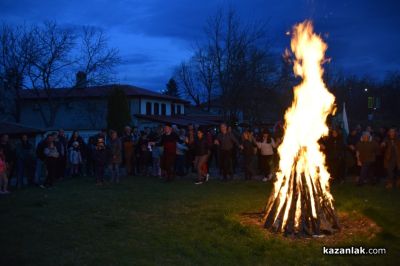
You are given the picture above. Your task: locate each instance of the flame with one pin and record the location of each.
(302, 171)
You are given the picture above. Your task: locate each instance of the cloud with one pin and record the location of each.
(153, 36)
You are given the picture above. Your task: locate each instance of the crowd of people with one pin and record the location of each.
(168, 151)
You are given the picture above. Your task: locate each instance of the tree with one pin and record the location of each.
(96, 59)
(118, 110)
(46, 57)
(15, 50)
(205, 67)
(172, 88)
(49, 62)
(186, 76)
(232, 64)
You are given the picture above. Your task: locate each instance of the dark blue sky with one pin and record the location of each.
(153, 36)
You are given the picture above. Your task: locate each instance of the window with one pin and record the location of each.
(148, 108)
(370, 102)
(163, 109)
(172, 109)
(179, 110)
(156, 108)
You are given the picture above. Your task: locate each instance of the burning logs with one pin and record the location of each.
(301, 202)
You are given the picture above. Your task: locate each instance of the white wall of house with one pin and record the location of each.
(74, 114)
(88, 113)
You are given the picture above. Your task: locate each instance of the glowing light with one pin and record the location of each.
(301, 193)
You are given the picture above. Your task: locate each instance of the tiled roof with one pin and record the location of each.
(97, 91)
(181, 120)
(15, 128)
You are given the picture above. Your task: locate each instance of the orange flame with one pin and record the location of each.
(302, 164)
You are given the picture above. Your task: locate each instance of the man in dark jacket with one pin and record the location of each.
(392, 158)
(100, 158)
(335, 149)
(366, 151)
(226, 141)
(201, 151)
(61, 144)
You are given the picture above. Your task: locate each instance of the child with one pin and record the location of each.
(100, 161)
(75, 158)
(3, 174)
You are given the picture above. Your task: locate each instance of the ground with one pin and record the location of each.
(144, 221)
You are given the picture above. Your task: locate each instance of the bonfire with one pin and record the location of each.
(301, 202)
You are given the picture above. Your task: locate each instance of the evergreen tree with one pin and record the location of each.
(172, 88)
(118, 110)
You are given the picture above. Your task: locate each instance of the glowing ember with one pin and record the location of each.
(301, 201)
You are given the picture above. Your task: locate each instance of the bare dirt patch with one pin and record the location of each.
(353, 226)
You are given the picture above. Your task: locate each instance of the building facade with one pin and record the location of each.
(86, 108)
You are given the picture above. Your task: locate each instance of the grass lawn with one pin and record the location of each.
(143, 221)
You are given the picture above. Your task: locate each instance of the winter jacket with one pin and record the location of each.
(227, 141)
(100, 156)
(201, 147)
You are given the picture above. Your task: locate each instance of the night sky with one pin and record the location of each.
(154, 36)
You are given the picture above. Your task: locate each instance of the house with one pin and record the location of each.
(85, 108)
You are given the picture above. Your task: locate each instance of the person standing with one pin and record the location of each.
(51, 161)
(392, 158)
(226, 141)
(128, 148)
(3, 173)
(189, 155)
(144, 154)
(9, 154)
(266, 147)
(249, 146)
(82, 146)
(335, 149)
(156, 153)
(168, 142)
(75, 158)
(366, 151)
(351, 163)
(25, 161)
(61, 143)
(201, 151)
(100, 160)
(181, 150)
(40, 161)
(116, 156)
